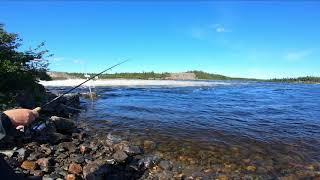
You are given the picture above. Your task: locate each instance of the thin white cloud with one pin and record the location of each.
(219, 28)
(78, 61)
(203, 32)
(297, 55)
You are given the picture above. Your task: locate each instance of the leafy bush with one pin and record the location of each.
(20, 71)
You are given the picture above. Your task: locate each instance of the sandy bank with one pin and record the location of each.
(124, 82)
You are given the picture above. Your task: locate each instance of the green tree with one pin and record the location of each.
(20, 70)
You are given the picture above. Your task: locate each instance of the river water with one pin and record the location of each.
(227, 127)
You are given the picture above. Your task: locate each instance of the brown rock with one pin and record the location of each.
(75, 168)
(121, 146)
(43, 162)
(29, 165)
(149, 145)
(70, 177)
(120, 156)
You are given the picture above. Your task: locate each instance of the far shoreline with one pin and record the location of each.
(121, 82)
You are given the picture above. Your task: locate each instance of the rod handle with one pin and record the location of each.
(37, 109)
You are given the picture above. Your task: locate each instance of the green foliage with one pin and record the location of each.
(19, 71)
(143, 75)
(307, 79)
(205, 75)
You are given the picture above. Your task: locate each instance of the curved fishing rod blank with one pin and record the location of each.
(58, 97)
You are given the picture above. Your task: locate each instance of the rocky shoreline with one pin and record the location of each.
(62, 148)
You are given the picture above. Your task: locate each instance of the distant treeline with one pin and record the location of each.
(200, 75)
(153, 75)
(210, 76)
(143, 75)
(307, 79)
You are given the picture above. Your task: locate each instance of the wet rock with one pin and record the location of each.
(55, 175)
(179, 176)
(120, 156)
(95, 170)
(29, 165)
(44, 162)
(111, 140)
(262, 170)
(251, 168)
(62, 156)
(75, 168)
(288, 177)
(22, 153)
(47, 177)
(126, 147)
(46, 149)
(68, 146)
(148, 162)
(76, 142)
(121, 146)
(222, 177)
(77, 159)
(63, 125)
(133, 150)
(84, 149)
(34, 156)
(37, 173)
(165, 165)
(55, 138)
(165, 175)
(149, 145)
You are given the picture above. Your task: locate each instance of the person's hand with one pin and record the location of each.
(21, 117)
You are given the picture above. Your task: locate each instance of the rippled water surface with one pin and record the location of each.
(250, 127)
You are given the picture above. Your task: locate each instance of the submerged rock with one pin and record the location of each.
(95, 170)
(149, 145)
(127, 148)
(148, 161)
(165, 165)
(120, 156)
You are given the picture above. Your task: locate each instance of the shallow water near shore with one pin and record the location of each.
(230, 128)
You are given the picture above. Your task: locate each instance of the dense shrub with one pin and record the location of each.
(20, 70)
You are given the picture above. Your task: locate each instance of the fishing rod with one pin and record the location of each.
(75, 87)
(40, 124)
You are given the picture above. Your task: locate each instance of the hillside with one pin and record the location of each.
(190, 75)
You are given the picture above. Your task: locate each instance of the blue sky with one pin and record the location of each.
(242, 39)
